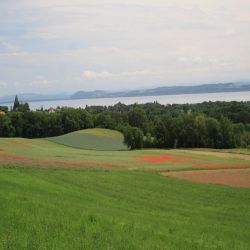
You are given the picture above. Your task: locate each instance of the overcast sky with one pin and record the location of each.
(49, 46)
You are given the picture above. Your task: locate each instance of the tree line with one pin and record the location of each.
(209, 124)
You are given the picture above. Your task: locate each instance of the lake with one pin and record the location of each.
(163, 99)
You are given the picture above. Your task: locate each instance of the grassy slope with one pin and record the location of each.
(77, 209)
(95, 139)
(245, 151)
(80, 209)
(49, 151)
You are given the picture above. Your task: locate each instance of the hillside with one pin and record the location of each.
(77, 209)
(94, 139)
(166, 90)
(58, 197)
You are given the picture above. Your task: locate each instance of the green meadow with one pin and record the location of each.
(95, 139)
(79, 209)
(77, 150)
(55, 196)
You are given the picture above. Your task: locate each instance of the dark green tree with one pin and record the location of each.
(16, 103)
(212, 133)
(17, 122)
(162, 137)
(133, 137)
(103, 120)
(226, 128)
(6, 128)
(4, 109)
(138, 118)
(23, 107)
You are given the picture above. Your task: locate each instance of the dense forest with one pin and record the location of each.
(209, 124)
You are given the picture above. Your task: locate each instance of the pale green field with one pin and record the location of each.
(46, 153)
(94, 139)
(57, 197)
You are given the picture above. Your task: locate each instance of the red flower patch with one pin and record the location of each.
(14, 156)
(165, 158)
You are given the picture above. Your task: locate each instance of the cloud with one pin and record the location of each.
(2, 39)
(137, 73)
(182, 59)
(230, 32)
(93, 74)
(41, 82)
(197, 60)
(3, 84)
(213, 60)
(133, 43)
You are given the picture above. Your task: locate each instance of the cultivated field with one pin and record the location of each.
(230, 177)
(65, 151)
(53, 196)
(95, 139)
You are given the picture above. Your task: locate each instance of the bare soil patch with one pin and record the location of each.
(218, 154)
(232, 177)
(223, 165)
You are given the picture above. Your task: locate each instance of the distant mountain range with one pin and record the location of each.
(173, 90)
(32, 97)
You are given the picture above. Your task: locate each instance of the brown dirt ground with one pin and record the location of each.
(221, 166)
(232, 177)
(218, 154)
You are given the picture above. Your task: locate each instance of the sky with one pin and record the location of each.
(52, 46)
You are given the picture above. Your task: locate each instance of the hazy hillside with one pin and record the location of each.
(173, 90)
(29, 97)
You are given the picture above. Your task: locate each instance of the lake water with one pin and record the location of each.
(164, 99)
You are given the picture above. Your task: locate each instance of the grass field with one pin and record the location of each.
(95, 139)
(16, 152)
(57, 197)
(77, 209)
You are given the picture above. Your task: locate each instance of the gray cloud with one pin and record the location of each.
(108, 44)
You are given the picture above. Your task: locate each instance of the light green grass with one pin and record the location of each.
(94, 139)
(40, 149)
(76, 209)
(245, 151)
(101, 132)
(55, 208)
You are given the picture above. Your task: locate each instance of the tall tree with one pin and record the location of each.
(133, 137)
(16, 103)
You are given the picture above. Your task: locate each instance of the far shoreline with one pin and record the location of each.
(242, 96)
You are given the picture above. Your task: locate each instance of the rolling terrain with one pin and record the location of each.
(63, 193)
(95, 139)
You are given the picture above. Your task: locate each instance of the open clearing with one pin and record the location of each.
(47, 154)
(54, 196)
(87, 209)
(235, 178)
